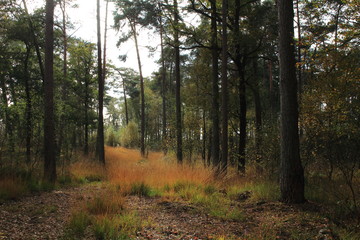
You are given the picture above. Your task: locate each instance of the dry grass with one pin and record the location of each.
(11, 188)
(85, 170)
(126, 167)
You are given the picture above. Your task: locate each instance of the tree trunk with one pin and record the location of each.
(224, 89)
(105, 41)
(179, 153)
(240, 63)
(86, 106)
(125, 103)
(100, 150)
(28, 112)
(291, 170)
(163, 88)
(49, 123)
(142, 92)
(64, 96)
(204, 136)
(36, 44)
(215, 145)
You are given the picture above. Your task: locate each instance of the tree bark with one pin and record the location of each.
(163, 88)
(49, 123)
(240, 63)
(142, 92)
(125, 103)
(291, 170)
(224, 89)
(28, 113)
(100, 150)
(179, 153)
(36, 44)
(215, 144)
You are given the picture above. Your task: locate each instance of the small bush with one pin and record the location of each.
(106, 228)
(108, 204)
(119, 227)
(140, 189)
(210, 189)
(11, 189)
(129, 136)
(77, 225)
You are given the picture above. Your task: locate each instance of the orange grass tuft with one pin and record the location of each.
(126, 167)
(85, 169)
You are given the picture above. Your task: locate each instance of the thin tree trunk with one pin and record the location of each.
(163, 88)
(142, 93)
(49, 122)
(243, 123)
(179, 153)
(36, 44)
(125, 102)
(224, 89)
(258, 110)
(215, 148)
(86, 106)
(204, 138)
(100, 150)
(105, 40)
(28, 112)
(291, 170)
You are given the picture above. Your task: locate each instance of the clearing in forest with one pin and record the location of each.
(154, 198)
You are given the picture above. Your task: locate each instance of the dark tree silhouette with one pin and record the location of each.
(291, 171)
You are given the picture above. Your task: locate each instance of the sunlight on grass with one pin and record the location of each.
(85, 171)
(126, 167)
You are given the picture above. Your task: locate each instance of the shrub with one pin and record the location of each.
(107, 204)
(140, 189)
(77, 225)
(129, 136)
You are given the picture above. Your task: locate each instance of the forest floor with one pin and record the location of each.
(181, 211)
(44, 216)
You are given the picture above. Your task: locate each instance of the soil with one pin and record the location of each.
(44, 216)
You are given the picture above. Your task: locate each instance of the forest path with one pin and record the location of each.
(41, 216)
(44, 216)
(262, 220)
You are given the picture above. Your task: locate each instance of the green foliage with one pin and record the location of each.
(107, 204)
(118, 227)
(129, 135)
(77, 225)
(140, 189)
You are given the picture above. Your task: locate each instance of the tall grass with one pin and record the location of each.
(126, 167)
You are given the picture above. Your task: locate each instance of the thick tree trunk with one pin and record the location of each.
(63, 123)
(142, 92)
(291, 170)
(179, 153)
(100, 150)
(215, 148)
(49, 126)
(224, 89)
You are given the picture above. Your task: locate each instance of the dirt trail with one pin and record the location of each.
(174, 220)
(44, 216)
(41, 216)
